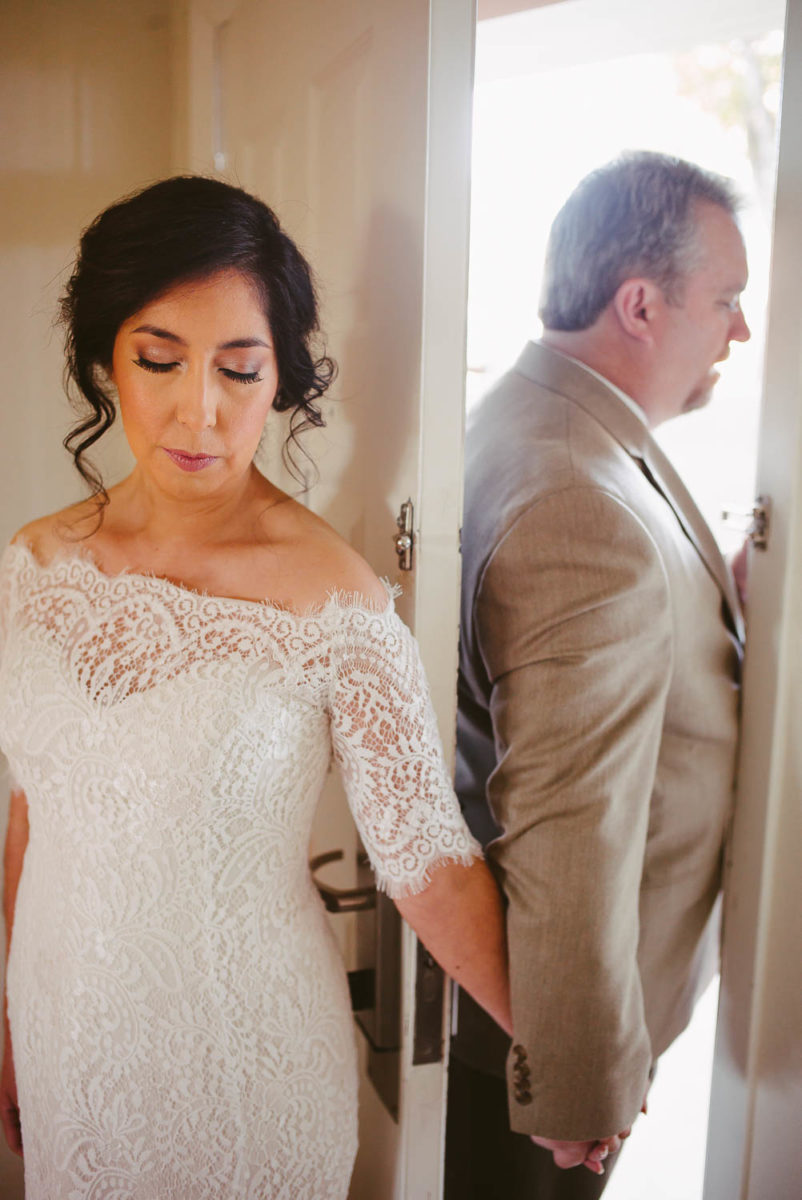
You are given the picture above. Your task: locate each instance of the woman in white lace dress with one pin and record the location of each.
(180, 656)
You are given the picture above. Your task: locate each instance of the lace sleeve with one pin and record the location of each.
(388, 750)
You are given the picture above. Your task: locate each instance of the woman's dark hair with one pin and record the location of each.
(180, 229)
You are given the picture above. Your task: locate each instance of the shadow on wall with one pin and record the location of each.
(84, 89)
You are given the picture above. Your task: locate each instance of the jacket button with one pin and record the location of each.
(523, 1096)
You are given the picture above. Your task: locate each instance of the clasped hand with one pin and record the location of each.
(585, 1154)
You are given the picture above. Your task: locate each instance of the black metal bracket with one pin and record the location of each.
(341, 900)
(427, 1045)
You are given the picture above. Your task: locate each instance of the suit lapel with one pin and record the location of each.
(562, 374)
(698, 531)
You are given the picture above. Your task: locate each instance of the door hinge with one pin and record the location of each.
(405, 538)
(754, 522)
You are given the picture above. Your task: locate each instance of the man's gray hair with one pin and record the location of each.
(633, 217)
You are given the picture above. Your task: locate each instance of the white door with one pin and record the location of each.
(753, 1143)
(352, 119)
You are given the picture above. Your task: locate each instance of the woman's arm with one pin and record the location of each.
(16, 843)
(460, 919)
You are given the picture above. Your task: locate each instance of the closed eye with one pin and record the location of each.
(241, 376)
(148, 364)
(159, 368)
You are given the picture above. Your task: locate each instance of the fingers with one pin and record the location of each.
(595, 1164)
(601, 1150)
(573, 1156)
(588, 1154)
(565, 1154)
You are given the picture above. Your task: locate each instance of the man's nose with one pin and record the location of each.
(740, 331)
(197, 407)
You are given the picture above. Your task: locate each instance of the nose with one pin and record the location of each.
(196, 408)
(740, 331)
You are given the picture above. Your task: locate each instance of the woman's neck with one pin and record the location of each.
(139, 512)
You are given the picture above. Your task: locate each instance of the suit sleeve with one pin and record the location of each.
(574, 625)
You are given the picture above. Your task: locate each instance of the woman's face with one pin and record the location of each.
(196, 375)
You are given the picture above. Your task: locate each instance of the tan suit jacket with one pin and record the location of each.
(597, 735)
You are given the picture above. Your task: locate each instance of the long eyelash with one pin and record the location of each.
(242, 377)
(148, 365)
(158, 368)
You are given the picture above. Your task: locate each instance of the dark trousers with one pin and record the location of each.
(486, 1161)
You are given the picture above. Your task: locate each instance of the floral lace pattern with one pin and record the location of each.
(179, 1011)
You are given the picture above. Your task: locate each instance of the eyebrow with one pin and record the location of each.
(235, 344)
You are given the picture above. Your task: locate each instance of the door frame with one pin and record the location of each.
(753, 1134)
(452, 32)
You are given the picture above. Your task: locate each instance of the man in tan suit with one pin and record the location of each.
(601, 636)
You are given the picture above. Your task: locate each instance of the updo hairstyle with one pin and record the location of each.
(178, 230)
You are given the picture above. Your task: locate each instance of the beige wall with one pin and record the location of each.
(85, 113)
(85, 101)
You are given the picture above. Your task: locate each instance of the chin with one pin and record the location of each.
(701, 395)
(698, 399)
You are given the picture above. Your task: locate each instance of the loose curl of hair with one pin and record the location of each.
(176, 231)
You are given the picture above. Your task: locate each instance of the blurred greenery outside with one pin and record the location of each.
(739, 83)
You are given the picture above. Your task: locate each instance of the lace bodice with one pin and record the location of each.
(345, 665)
(179, 1013)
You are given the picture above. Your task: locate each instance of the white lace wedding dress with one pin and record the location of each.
(179, 1010)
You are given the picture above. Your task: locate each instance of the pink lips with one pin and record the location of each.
(190, 462)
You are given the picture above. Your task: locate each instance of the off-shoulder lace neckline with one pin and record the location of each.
(335, 599)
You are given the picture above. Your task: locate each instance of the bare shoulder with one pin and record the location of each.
(50, 535)
(350, 574)
(322, 562)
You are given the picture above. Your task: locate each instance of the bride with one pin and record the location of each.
(180, 656)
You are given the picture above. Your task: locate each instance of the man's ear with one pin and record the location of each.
(636, 305)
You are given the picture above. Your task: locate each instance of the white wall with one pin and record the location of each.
(85, 102)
